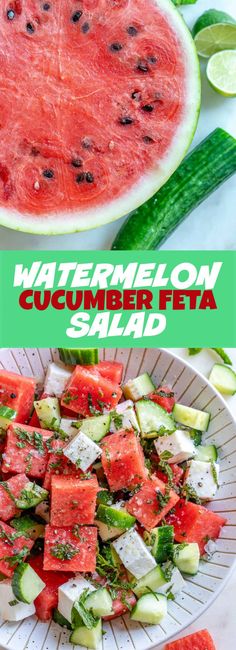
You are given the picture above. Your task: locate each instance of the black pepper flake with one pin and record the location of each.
(126, 120)
(148, 108)
(80, 178)
(142, 66)
(76, 16)
(10, 14)
(132, 31)
(48, 173)
(30, 28)
(76, 162)
(147, 139)
(116, 47)
(46, 6)
(85, 28)
(89, 177)
(13, 395)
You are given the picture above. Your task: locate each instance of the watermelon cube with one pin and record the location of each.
(48, 598)
(163, 396)
(58, 464)
(123, 460)
(12, 487)
(177, 471)
(112, 370)
(17, 393)
(194, 523)
(12, 549)
(70, 549)
(88, 393)
(73, 500)
(201, 640)
(26, 451)
(152, 502)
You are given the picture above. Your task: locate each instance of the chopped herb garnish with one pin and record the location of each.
(190, 494)
(63, 551)
(117, 419)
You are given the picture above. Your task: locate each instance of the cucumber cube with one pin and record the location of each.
(85, 637)
(186, 557)
(150, 608)
(136, 388)
(191, 417)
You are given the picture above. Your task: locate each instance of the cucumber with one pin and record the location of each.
(30, 496)
(77, 356)
(152, 580)
(99, 602)
(108, 532)
(95, 427)
(190, 417)
(186, 557)
(114, 517)
(136, 388)
(206, 453)
(6, 416)
(61, 620)
(163, 543)
(26, 584)
(223, 378)
(150, 608)
(104, 497)
(152, 418)
(88, 638)
(28, 526)
(200, 173)
(48, 412)
(177, 3)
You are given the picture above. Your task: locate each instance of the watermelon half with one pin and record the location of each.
(99, 101)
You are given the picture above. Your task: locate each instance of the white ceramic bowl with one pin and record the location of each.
(194, 390)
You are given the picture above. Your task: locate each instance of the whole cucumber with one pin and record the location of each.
(200, 173)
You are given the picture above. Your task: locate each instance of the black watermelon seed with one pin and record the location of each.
(136, 95)
(46, 6)
(76, 162)
(142, 66)
(147, 139)
(48, 173)
(13, 396)
(89, 177)
(148, 108)
(85, 28)
(116, 47)
(10, 14)
(76, 16)
(30, 28)
(152, 59)
(80, 178)
(132, 31)
(126, 120)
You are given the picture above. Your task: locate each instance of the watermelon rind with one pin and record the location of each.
(79, 220)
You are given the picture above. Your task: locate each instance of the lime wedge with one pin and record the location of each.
(214, 31)
(221, 72)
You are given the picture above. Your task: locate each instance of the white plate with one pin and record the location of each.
(192, 389)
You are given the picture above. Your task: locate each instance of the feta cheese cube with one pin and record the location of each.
(203, 478)
(10, 611)
(82, 451)
(56, 379)
(66, 426)
(69, 592)
(174, 585)
(128, 417)
(134, 554)
(178, 443)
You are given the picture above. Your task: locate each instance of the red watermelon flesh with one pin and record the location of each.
(108, 90)
(11, 546)
(145, 504)
(88, 393)
(73, 500)
(14, 487)
(164, 396)
(201, 640)
(194, 523)
(16, 392)
(26, 450)
(123, 460)
(81, 544)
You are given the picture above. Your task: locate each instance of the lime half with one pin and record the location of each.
(214, 31)
(221, 72)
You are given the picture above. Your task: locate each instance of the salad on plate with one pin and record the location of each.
(103, 495)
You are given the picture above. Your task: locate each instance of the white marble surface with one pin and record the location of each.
(220, 618)
(210, 226)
